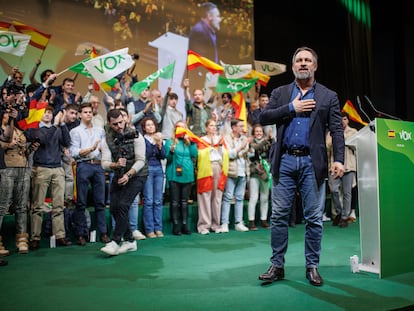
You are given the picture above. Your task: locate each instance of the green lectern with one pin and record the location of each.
(385, 173)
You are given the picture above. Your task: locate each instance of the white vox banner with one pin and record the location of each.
(107, 66)
(13, 42)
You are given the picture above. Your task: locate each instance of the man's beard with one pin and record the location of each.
(302, 76)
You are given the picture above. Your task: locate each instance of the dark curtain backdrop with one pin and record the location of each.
(354, 60)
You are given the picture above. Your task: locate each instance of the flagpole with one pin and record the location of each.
(63, 71)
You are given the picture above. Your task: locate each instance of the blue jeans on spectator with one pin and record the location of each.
(95, 175)
(296, 173)
(152, 212)
(237, 187)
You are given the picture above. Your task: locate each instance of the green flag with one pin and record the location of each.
(167, 73)
(81, 69)
(234, 85)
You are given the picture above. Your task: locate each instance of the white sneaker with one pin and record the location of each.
(111, 248)
(224, 228)
(204, 232)
(241, 227)
(325, 218)
(127, 247)
(352, 216)
(138, 235)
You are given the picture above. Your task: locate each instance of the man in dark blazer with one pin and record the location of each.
(203, 37)
(303, 111)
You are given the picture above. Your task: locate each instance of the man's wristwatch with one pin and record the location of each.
(129, 175)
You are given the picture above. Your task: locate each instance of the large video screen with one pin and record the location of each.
(111, 25)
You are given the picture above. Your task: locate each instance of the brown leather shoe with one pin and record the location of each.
(63, 242)
(273, 274)
(81, 241)
(34, 244)
(105, 238)
(314, 277)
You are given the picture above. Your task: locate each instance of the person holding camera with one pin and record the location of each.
(123, 152)
(15, 179)
(6, 134)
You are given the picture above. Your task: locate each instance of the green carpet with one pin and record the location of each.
(213, 272)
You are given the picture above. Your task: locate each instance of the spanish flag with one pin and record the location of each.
(180, 132)
(205, 168)
(240, 110)
(352, 112)
(36, 111)
(263, 79)
(39, 39)
(5, 26)
(195, 60)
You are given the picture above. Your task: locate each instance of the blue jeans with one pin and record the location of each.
(237, 187)
(296, 172)
(95, 175)
(152, 212)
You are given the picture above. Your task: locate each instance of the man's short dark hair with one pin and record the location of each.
(113, 113)
(172, 96)
(344, 114)
(85, 105)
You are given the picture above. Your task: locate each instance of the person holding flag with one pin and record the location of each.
(238, 173)
(342, 205)
(198, 111)
(212, 167)
(181, 154)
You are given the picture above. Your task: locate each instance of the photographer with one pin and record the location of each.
(123, 151)
(15, 179)
(5, 136)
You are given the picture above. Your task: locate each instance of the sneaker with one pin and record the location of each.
(224, 228)
(138, 235)
(111, 248)
(159, 234)
(204, 232)
(127, 247)
(151, 235)
(241, 227)
(352, 216)
(325, 218)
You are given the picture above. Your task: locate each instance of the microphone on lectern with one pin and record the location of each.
(379, 113)
(360, 107)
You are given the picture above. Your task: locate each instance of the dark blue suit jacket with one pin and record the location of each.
(325, 116)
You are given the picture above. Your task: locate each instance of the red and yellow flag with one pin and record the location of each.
(38, 39)
(36, 111)
(205, 169)
(195, 60)
(263, 79)
(180, 132)
(352, 112)
(240, 110)
(5, 25)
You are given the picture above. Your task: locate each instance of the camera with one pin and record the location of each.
(13, 88)
(125, 138)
